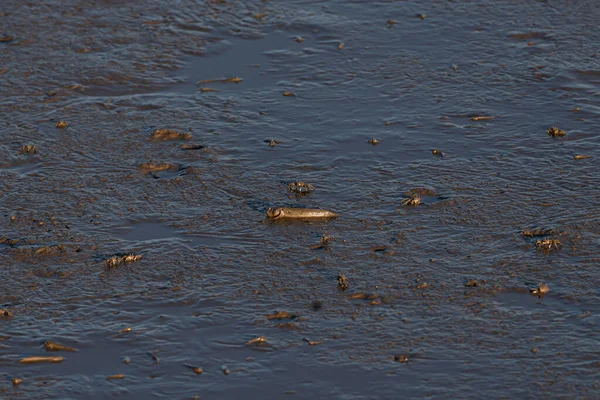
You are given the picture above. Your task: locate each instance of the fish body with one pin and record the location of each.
(299, 213)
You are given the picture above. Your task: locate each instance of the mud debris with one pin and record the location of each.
(343, 282)
(50, 251)
(473, 283)
(548, 245)
(191, 147)
(115, 261)
(289, 94)
(555, 132)
(207, 90)
(6, 313)
(9, 242)
(437, 153)
(421, 192)
(299, 39)
(300, 187)
(373, 141)
(324, 243)
(235, 79)
(17, 381)
(53, 346)
(116, 376)
(539, 232)
(363, 296)
(391, 22)
(41, 359)
(281, 315)
(149, 167)
(4, 38)
(299, 213)
(126, 360)
(421, 16)
(195, 369)
(581, 156)
(311, 342)
(62, 124)
(168, 134)
(340, 46)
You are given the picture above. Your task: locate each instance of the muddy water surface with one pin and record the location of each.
(214, 272)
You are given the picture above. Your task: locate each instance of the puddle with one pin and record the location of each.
(154, 230)
(148, 231)
(523, 300)
(223, 61)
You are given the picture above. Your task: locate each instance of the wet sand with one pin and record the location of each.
(481, 83)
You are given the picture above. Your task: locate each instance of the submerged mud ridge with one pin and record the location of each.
(139, 128)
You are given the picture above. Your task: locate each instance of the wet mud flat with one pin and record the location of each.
(143, 144)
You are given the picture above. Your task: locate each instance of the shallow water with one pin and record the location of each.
(213, 268)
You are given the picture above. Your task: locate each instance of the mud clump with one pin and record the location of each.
(168, 134)
(53, 346)
(324, 243)
(9, 242)
(191, 147)
(281, 315)
(62, 124)
(5, 313)
(537, 232)
(4, 38)
(156, 167)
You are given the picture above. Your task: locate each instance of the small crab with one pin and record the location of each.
(273, 142)
(323, 243)
(300, 187)
(115, 261)
(547, 245)
(343, 283)
(540, 290)
(554, 132)
(413, 200)
(29, 149)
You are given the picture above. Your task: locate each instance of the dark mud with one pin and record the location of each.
(212, 269)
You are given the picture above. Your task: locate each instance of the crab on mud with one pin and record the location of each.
(300, 187)
(413, 200)
(547, 245)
